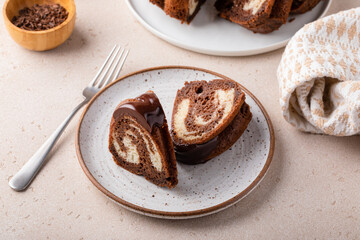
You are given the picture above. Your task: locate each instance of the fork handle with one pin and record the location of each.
(27, 173)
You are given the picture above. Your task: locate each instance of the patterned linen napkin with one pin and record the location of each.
(319, 76)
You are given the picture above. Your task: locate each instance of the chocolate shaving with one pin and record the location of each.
(40, 17)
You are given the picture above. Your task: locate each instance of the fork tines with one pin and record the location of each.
(115, 62)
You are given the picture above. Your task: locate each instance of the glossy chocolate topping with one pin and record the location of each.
(146, 109)
(195, 153)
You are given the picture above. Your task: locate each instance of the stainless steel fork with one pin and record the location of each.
(27, 173)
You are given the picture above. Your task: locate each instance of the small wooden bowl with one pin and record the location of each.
(39, 40)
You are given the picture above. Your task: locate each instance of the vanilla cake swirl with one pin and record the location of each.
(208, 117)
(140, 141)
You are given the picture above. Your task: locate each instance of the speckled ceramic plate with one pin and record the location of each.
(212, 35)
(202, 189)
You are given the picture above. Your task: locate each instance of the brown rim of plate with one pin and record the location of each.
(194, 213)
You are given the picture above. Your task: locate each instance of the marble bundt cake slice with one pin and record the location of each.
(278, 17)
(208, 118)
(247, 13)
(184, 10)
(260, 16)
(140, 141)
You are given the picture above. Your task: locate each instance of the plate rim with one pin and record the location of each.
(167, 214)
(241, 53)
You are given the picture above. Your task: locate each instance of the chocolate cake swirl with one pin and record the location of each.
(259, 16)
(140, 141)
(201, 153)
(183, 10)
(208, 118)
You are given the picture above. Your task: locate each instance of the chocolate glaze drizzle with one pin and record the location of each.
(146, 109)
(195, 153)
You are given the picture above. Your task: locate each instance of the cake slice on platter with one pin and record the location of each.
(208, 118)
(247, 13)
(259, 16)
(278, 17)
(140, 142)
(183, 10)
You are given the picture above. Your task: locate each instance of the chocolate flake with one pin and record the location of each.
(40, 17)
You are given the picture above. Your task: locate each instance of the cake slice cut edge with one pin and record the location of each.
(195, 154)
(247, 13)
(183, 10)
(278, 17)
(208, 118)
(140, 142)
(204, 109)
(265, 19)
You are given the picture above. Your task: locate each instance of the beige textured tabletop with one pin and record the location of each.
(311, 190)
